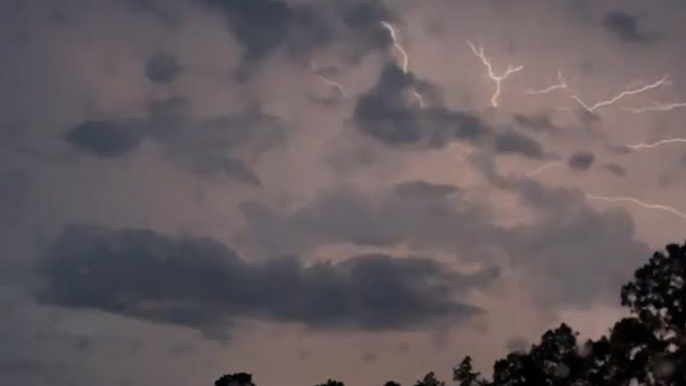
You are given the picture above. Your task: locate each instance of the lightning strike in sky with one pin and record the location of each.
(542, 168)
(334, 84)
(404, 57)
(662, 81)
(638, 202)
(497, 79)
(561, 85)
(657, 106)
(329, 82)
(656, 144)
(419, 98)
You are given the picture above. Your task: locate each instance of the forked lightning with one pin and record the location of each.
(489, 67)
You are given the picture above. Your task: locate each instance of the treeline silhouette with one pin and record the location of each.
(646, 348)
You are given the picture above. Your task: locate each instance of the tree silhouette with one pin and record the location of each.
(646, 348)
(331, 382)
(237, 379)
(429, 380)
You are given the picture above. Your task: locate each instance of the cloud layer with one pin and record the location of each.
(203, 284)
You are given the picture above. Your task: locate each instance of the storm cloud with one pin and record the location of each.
(626, 27)
(581, 161)
(203, 146)
(107, 139)
(435, 225)
(381, 218)
(263, 26)
(162, 67)
(203, 284)
(388, 114)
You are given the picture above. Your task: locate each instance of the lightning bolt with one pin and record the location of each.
(542, 168)
(561, 85)
(334, 84)
(329, 82)
(497, 79)
(638, 202)
(419, 98)
(404, 58)
(656, 144)
(657, 106)
(616, 98)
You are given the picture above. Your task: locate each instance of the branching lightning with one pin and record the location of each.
(404, 58)
(560, 85)
(662, 81)
(497, 79)
(657, 106)
(638, 202)
(656, 144)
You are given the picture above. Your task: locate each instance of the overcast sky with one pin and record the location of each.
(314, 189)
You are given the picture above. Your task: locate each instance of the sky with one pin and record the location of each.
(361, 190)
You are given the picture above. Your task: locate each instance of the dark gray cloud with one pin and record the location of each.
(581, 161)
(386, 114)
(205, 146)
(162, 67)
(422, 189)
(603, 243)
(514, 143)
(211, 165)
(14, 189)
(166, 12)
(203, 284)
(106, 139)
(363, 19)
(537, 122)
(614, 168)
(262, 26)
(389, 114)
(626, 27)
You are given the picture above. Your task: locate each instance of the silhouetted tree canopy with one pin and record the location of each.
(331, 382)
(237, 379)
(646, 348)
